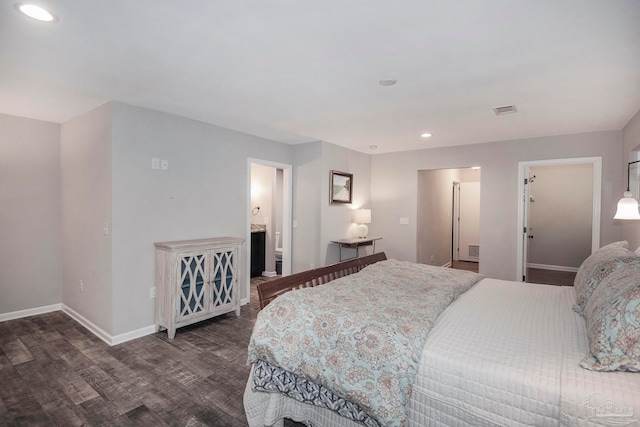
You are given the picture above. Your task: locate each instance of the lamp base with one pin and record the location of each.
(363, 230)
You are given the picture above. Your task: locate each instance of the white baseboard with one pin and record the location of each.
(102, 334)
(93, 328)
(552, 267)
(132, 335)
(30, 312)
(447, 265)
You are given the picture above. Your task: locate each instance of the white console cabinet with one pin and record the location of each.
(196, 280)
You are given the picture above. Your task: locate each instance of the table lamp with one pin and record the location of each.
(362, 217)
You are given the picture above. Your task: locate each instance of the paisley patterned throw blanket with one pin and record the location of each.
(360, 336)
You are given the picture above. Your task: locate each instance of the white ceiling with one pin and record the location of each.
(306, 70)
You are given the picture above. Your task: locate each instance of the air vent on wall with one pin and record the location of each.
(505, 110)
(474, 251)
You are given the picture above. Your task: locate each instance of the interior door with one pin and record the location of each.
(525, 222)
(455, 220)
(469, 234)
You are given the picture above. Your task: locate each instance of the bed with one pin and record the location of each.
(500, 353)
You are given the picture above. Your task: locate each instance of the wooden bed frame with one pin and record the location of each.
(268, 291)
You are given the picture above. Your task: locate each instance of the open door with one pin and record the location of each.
(525, 170)
(469, 220)
(466, 221)
(525, 222)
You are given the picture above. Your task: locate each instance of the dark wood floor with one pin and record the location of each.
(534, 275)
(55, 372)
(550, 277)
(465, 265)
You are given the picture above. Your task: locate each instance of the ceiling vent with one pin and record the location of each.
(505, 110)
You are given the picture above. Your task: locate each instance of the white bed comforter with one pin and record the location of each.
(503, 354)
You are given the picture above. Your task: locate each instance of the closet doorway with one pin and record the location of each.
(448, 225)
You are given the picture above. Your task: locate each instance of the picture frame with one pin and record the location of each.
(341, 187)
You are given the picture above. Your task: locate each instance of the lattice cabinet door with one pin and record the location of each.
(193, 289)
(223, 280)
(196, 280)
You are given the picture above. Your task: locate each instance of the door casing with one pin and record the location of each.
(523, 168)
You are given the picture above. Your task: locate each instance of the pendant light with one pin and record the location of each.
(628, 206)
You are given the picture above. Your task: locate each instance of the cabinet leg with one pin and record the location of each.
(238, 310)
(171, 333)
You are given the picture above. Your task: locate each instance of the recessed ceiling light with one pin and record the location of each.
(426, 135)
(389, 81)
(36, 12)
(373, 147)
(475, 168)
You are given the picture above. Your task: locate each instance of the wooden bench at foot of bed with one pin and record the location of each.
(268, 291)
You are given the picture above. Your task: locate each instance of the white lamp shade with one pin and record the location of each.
(627, 207)
(361, 216)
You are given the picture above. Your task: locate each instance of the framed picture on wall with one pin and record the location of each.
(341, 187)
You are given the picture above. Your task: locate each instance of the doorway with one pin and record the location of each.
(444, 218)
(269, 212)
(466, 221)
(558, 215)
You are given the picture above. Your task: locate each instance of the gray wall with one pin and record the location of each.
(561, 216)
(30, 229)
(203, 194)
(434, 225)
(318, 222)
(107, 177)
(335, 222)
(102, 173)
(86, 162)
(394, 189)
(306, 206)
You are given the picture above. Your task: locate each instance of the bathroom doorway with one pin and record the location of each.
(269, 208)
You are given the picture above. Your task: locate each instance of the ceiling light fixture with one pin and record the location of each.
(36, 12)
(373, 147)
(389, 81)
(426, 135)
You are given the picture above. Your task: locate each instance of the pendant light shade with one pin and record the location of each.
(628, 206)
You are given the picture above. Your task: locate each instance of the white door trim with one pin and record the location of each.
(455, 221)
(597, 196)
(287, 212)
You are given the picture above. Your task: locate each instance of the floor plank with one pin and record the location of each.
(17, 352)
